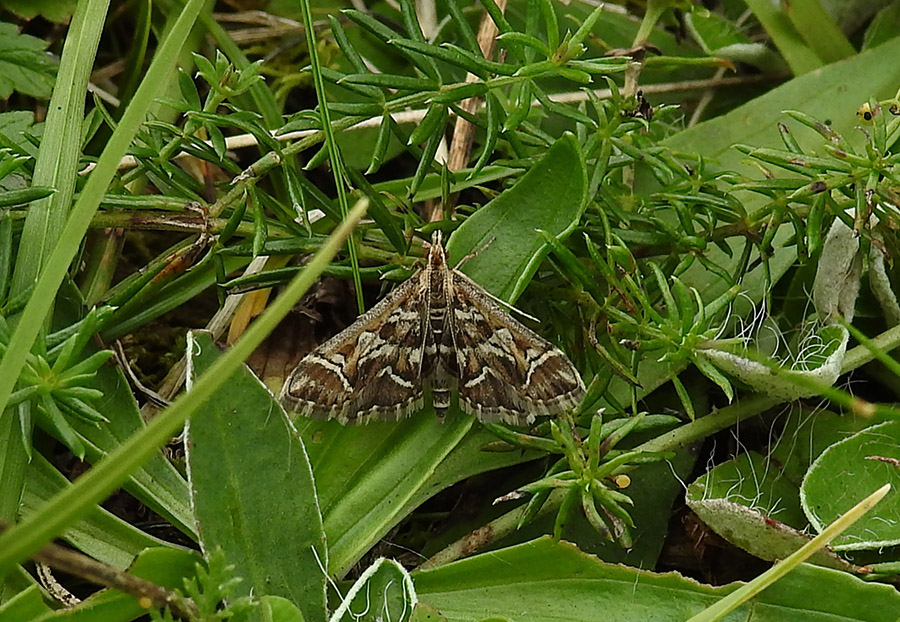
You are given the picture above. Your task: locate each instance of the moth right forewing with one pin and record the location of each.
(506, 371)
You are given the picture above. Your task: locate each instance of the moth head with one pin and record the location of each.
(436, 251)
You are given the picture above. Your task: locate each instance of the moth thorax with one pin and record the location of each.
(437, 287)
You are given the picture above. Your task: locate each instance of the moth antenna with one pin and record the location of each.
(478, 250)
(510, 307)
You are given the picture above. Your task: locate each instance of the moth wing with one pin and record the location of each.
(369, 371)
(506, 371)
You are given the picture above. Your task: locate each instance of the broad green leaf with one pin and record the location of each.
(760, 535)
(546, 581)
(426, 613)
(754, 482)
(383, 591)
(846, 473)
(157, 483)
(824, 364)
(464, 461)
(366, 475)
(806, 434)
(100, 534)
(163, 566)
(819, 30)
(784, 35)
(277, 609)
(751, 504)
(25, 66)
(252, 489)
(550, 196)
(884, 26)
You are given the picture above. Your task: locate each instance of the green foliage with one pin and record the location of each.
(650, 253)
(24, 66)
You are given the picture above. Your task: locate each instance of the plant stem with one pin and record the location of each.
(80, 565)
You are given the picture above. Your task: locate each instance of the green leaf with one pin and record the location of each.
(433, 141)
(366, 476)
(462, 26)
(259, 507)
(749, 502)
(391, 81)
(58, 11)
(383, 591)
(277, 609)
(12, 198)
(819, 30)
(379, 30)
(25, 605)
(550, 196)
(804, 438)
(432, 188)
(799, 57)
(387, 222)
(381, 144)
(551, 26)
(340, 37)
(434, 122)
(25, 66)
(847, 472)
(493, 111)
(884, 26)
(520, 96)
(545, 581)
(467, 459)
(525, 40)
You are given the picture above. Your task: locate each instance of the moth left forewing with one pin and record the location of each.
(369, 371)
(506, 371)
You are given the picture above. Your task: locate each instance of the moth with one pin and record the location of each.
(438, 332)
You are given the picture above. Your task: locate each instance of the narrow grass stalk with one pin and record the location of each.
(53, 273)
(74, 502)
(748, 591)
(334, 154)
(57, 160)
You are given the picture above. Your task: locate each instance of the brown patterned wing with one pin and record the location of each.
(506, 372)
(372, 369)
